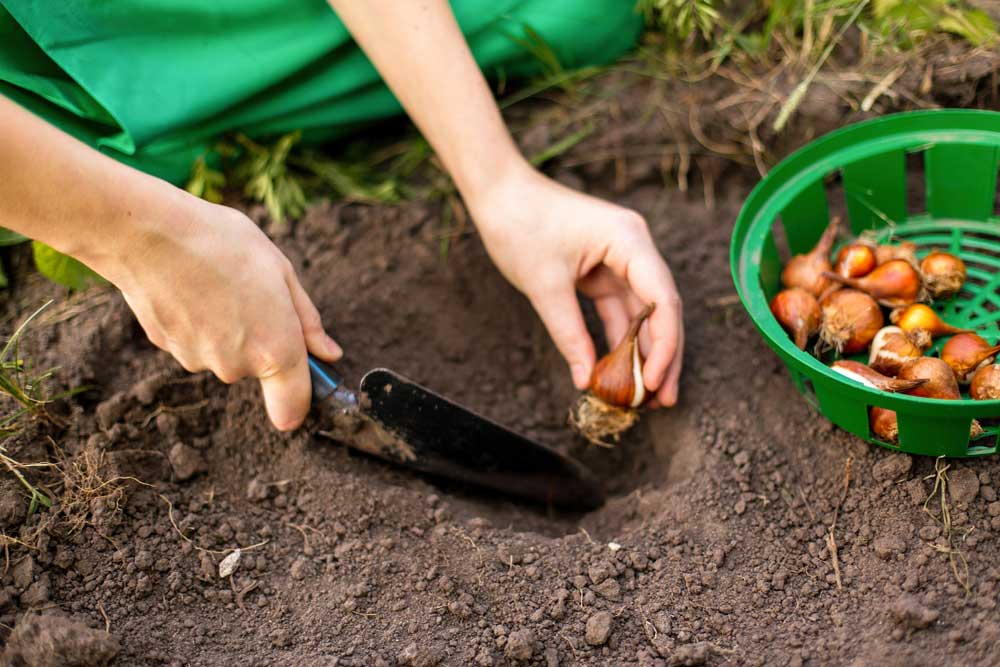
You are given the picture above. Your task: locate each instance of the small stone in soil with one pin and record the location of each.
(257, 490)
(53, 640)
(894, 466)
(24, 572)
(228, 564)
(418, 656)
(145, 390)
(110, 411)
(37, 593)
(13, 508)
(690, 655)
(601, 571)
(520, 645)
(908, 611)
(300, 568)
(186, 461)
(889, 545)
(609, 589)
(964, 486)
(598, 628)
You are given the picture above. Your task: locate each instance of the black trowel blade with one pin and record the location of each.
(448, 440)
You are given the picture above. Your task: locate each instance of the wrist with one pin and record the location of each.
(501, 181)
(152, 213)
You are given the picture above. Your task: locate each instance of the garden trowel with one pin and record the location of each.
(396, 419)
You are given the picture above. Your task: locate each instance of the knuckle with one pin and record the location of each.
(227, 374)
(186, 363)
(272, 358)
(632, 221)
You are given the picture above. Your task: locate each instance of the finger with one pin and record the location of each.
(560, 312)
(670, 390)
(651, 280)
(614, 314)
(317, 340)
(287, 393)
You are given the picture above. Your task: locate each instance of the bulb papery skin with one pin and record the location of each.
(966, 353)
(891, 348)
(617, 377)
(806, 271)
(851, 319)
(855, 260)
(906, 251)
(921, 316)
(895, 283)
(884, 424)
(872, 378)
(639, 391)
(986, 383)
(943, 274)
(940, 380)
(798, 312)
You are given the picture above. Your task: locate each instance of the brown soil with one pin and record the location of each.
(713, 549)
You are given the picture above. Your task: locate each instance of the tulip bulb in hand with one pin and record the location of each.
(616, 390)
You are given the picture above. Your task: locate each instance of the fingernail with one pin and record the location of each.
(580, 379)
(333, 348)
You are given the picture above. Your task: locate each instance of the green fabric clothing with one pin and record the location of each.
(153, 82)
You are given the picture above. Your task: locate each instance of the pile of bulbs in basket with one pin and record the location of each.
(841, 302)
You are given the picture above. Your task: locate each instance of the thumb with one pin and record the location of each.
(287, 393)
(560, 312)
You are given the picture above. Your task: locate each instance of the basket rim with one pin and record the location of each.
(906, 130)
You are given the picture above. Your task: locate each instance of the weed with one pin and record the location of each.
(89, 491)
(18, 382)
(682, 20)
(804, 27)
(206, 182)
(956, 557)
(25, 389)
(266, 177)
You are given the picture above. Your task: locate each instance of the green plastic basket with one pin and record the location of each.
(961, 157)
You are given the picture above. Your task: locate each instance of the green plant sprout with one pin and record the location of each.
(26, 390)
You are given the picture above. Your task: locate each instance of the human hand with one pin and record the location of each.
(549, 241)
(211, 289)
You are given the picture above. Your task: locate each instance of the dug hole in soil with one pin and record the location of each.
(714, 547)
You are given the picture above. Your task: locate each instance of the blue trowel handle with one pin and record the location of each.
(328, 387)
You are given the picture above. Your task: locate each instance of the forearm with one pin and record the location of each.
(60, 191)
(419, 50)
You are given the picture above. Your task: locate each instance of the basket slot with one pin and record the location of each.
(916, 183)
(805, 217)
(961, 181)
(848, 413)
(996, 195)
(934, 436)
(875, 189)
(770, 267)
